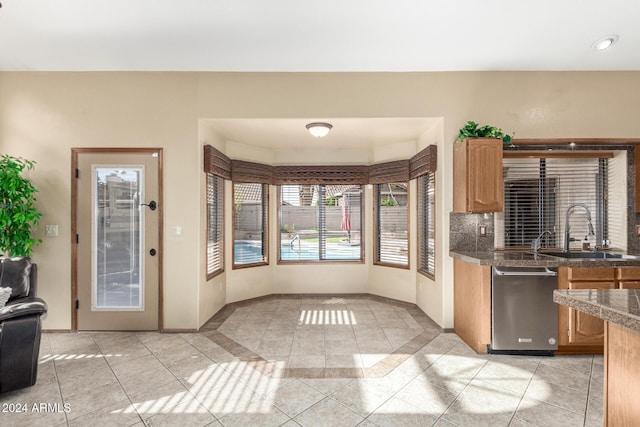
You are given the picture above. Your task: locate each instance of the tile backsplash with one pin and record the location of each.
(464, 232)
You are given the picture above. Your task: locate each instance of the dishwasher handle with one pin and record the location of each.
(546, 272)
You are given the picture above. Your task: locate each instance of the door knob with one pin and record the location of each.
(152, 205)
(152, 252)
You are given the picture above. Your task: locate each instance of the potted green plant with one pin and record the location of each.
(473, 130)
(19, 215)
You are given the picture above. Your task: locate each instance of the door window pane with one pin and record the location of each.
(117, 236)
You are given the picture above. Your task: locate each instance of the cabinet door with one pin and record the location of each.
(629, 284)
(583, 328)
(484, 175)
(628, 273)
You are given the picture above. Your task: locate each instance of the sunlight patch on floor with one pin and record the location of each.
(327, 317)
(59, 357)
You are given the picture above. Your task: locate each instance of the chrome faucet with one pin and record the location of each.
(567, 239)
(537, 242)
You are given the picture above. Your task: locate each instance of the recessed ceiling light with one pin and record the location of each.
(605, 42)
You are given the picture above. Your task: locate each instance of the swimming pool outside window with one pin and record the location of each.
(250, 224)
(320, 223)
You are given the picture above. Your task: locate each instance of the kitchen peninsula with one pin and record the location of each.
(620, 310)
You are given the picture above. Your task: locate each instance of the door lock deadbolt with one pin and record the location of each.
(152, 205)
(152, 252)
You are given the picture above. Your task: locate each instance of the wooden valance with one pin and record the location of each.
(216, 163)
(383, 173)
(318, 175)
(423, 162)
(242, 171)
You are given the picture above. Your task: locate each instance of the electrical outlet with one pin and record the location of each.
(637, 230)
(483, 231)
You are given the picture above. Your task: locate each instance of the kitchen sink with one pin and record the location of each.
(588, 255)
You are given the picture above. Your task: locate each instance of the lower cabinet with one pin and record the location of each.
(472, 304)
(578, 332)
(628, 277)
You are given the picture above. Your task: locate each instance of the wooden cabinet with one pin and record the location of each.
(621, 376)
(629, 284)
(477, 175)
(579, 332)
(628, 277)
(472, 304)
(583, 328)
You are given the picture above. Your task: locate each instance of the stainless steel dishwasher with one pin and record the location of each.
(524, 318)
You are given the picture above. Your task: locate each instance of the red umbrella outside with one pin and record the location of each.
(346, 222)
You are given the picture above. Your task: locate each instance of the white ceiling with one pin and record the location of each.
(331, 35)
(347, 134)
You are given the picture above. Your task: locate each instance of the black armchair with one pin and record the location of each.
(20, 324)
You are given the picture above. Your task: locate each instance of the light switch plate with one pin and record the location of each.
(51, 230)
(482, 230)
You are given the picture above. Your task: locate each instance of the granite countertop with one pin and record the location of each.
(619, 306)
(529, 259)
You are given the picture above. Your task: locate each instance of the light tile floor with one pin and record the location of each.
(300, 360)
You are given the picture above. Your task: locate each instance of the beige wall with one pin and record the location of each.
(211, 293)
(44, 115)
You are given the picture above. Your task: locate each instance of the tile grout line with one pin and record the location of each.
(118, 379)
(55, 372)
(461, 391)
(586, 406)
(513, 416)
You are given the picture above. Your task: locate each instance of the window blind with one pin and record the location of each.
(426, 224)
(250, 222)
(539, 192)
(321, 175)
(382, 173)
(215, 225)
(320, 223)
(216, 163)
(391, 224)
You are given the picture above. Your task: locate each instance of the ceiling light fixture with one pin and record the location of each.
(605, 42)
(319, 129)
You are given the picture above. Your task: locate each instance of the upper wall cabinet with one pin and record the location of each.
(477, 175)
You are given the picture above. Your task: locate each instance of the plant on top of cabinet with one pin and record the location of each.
(472, 130)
